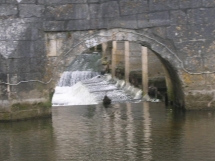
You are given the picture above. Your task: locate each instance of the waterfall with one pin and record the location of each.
(81, 84)
(78, 94)
(86, 62)
(71, 78)
(85, 88)
(70, 90)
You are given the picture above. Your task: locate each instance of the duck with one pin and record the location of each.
(106, 100)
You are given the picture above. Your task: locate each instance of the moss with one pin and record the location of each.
(44, 104)
(20, 106)
(27, 106)
(50, 96)
(5, 116)
(22, 111)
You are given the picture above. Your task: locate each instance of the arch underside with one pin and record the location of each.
(88, 40)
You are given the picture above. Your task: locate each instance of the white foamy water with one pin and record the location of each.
(78, 94)
(70, 78)
(90, 90)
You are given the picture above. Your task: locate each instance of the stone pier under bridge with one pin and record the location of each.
(40, 39)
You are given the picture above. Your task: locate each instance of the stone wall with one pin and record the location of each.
(183, 28)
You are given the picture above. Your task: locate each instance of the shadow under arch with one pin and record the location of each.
(167, 56)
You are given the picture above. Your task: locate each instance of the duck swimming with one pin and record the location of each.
(106, 100)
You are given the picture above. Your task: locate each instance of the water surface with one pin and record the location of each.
(142, 131)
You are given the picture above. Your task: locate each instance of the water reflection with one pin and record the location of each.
(119, 132)
(27, 141)
(147, 132)
(129, 132)
(143, 131)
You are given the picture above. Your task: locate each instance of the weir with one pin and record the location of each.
(82, 84)
(40, 39)
(88, 91)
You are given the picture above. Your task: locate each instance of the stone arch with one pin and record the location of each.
(165, 53)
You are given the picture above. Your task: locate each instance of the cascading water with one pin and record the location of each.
(82, 84)
(92, 91)
(71, 78)
(86, 62)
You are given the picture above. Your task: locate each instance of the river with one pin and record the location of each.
(125, 132)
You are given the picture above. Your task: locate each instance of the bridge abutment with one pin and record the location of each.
(39, 39)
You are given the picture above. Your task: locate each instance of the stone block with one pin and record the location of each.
(143, 21)
(94, 11)
(41, 1)
(78, 25)
(3, 93)
(3, 66)
(208, 61)
(153, 19)
(208, 48)
(3, 52)
(20, 49)
(8, 10)
(203, 31)
(38, 48)
(93, 1)
(208, 15)
(37, 64)
(109, 9)
(104, 10)
(27, 1)
(118, 22)
(190, 49)
(2, 30)
(193, 64)
(30, 10)
(37, 33)
(200, 16)
(208, 3)
(159, 31)
(67, 12)
(17, 30)
(65, 1)
(22, 90)
(179, 33)
(159, 18)
(178, 17)
(15, 78)
(195, 16)
(161, 5)
(23, 29)
(101, 23)
(129, 22)
(190, 3)
(209, 78)
(128, 7)
(54, 25)
(19, 65)
(24, 114)
(11, 1)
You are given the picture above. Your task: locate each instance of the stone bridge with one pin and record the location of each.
(40, 38)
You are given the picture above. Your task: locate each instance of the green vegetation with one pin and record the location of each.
(27, 106)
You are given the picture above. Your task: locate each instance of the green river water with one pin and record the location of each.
(124, 132)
